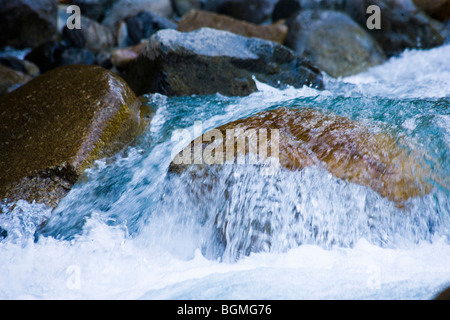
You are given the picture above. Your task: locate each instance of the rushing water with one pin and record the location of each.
(130, 230)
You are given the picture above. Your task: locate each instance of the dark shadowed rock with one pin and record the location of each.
(197, 19)
(94, 9)
(124, 9)
(144, 24)
(209, 61)
(403, 25)
(54, 54)
(255, 11)
(92, 36)
(284, 9)
(27, 23)
(23, 66)
(55, 126)
(181, 7)
(444, 295)
(11, 79)
(333, 41)
(438, 9)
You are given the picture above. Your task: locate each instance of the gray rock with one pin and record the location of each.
(92, 36)
(403, 25)
(209, 61)
(124, 9)
(27, 23)
(333, 41)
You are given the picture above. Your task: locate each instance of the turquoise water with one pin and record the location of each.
(129, 230)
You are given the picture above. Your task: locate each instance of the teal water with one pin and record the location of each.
(130, 230)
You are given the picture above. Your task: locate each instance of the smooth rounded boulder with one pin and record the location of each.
(333, 41)
(56, 125)
(349, 150)
(209, 61)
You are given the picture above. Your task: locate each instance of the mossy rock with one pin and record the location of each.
(56, 125)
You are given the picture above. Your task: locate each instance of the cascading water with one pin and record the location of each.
(130, 229)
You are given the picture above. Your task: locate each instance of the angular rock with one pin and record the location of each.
(209, 61)
(197, 19)
(144, 24)
(333, 41)
(403, 25)
(255, 11)
(53, 54)
(55, 126)
(347, 149)
(438, 9)
(27, 23)
(11, 79)
(181, 7)
(92, 36)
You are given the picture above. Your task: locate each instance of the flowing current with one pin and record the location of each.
(130, 230)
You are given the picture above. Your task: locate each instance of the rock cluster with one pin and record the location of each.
(68, 96)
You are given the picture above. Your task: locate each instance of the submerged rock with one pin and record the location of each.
(197, 19)
(55, 126)
(27, 23)
(347, 149)
(403, 25)
(333, 41)
(209, 61)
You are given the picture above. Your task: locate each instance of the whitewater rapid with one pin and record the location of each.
(126, 232)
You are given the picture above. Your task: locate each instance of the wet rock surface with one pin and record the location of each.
(55, 126)
(208, 61)
(347, 149)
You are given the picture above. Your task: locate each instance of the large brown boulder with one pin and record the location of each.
(197, 19)
(347, 149)
(55, 126)
(209, 61)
